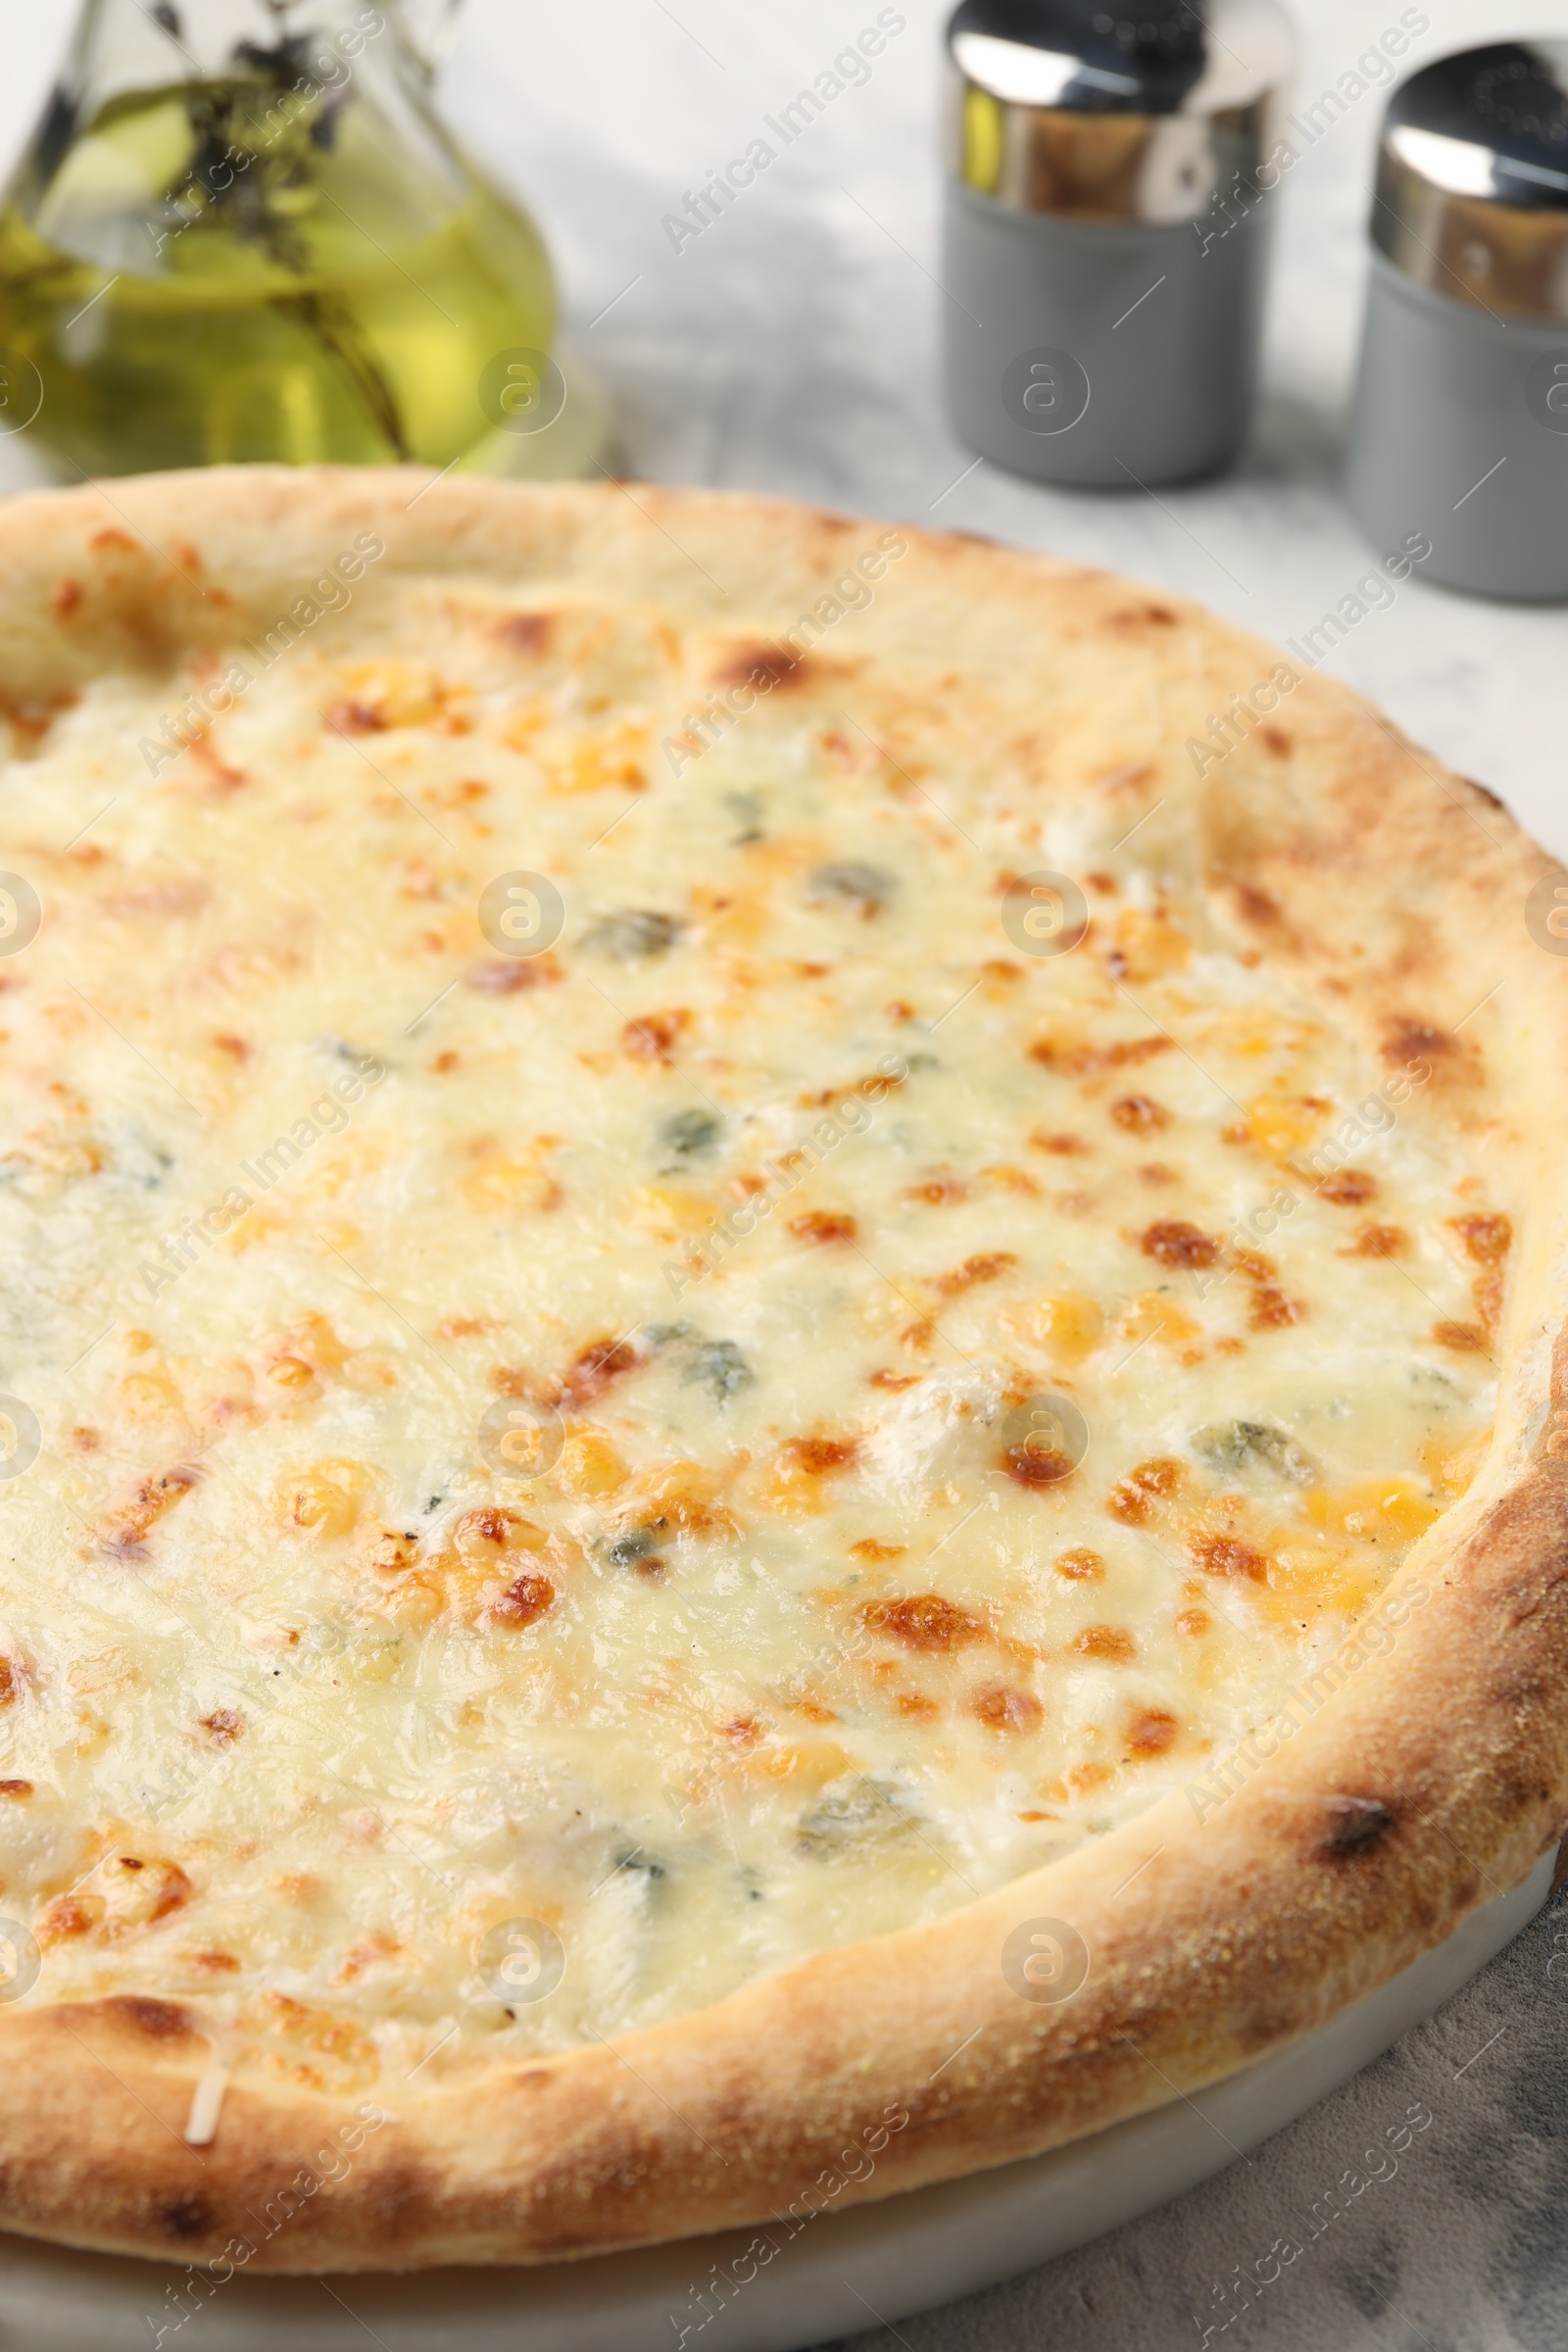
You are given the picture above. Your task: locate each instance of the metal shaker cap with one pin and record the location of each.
(1472, 189)
(1081, 110)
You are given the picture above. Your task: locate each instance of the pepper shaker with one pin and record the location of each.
(1107, 231)
(1460, 425)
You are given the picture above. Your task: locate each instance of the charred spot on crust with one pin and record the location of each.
(772, 666)
(32, 718)
(1135, 617)
(186, 2218)
(527, 632)
(1485, 791)
(1356, 1825)
(1256, 904)
(394, 2191)
(1410, 1040)
(159, 2021)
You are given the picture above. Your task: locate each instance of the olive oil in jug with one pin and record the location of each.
(240, 233)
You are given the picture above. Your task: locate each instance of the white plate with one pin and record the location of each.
(841, 2272)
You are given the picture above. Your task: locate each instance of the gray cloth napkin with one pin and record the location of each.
(1462, 2248)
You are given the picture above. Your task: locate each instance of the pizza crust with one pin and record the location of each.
(1429, 1782)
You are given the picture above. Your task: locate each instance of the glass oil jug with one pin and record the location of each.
(240, 233)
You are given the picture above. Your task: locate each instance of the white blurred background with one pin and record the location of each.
(792, 347)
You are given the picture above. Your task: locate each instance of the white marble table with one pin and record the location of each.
(792, 348)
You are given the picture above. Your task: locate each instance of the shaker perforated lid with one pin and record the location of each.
(1472, 190)
(1072, 108)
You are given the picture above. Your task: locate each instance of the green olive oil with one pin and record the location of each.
(258, 268)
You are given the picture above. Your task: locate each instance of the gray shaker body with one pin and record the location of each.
(1460, 425)
(1108, 228)
(1101, 355)
(1460, 430)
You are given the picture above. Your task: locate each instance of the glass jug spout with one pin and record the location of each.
(241, 232)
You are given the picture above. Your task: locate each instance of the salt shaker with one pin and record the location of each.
(1107, 231)
(1460, 427)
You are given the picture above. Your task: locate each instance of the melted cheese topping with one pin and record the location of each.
(733, 1432)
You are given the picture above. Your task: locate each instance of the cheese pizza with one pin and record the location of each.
(781, 1317)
